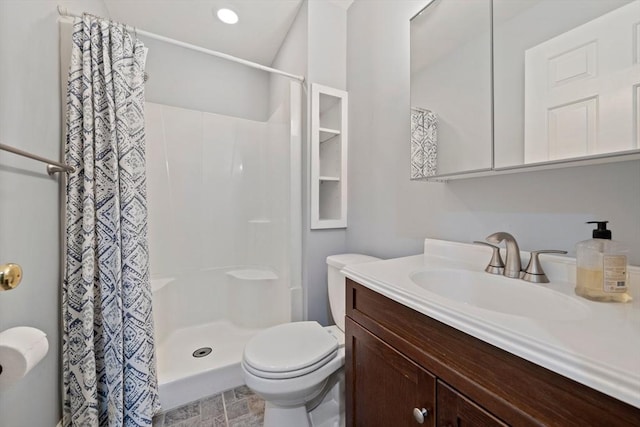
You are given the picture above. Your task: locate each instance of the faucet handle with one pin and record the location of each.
(496, 265)
(534, 272)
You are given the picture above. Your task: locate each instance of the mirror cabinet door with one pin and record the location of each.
(566, 79)
(451, 89)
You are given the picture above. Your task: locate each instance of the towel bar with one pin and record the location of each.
(52, 166)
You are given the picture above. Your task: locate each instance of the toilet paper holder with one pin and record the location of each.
(10, 276)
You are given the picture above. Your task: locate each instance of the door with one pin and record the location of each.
(384, 388)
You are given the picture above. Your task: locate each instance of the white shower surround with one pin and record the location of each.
(224, 204)
(199, 310)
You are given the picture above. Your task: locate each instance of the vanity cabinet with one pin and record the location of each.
(392, 388)
(454, 410)
(398, 360)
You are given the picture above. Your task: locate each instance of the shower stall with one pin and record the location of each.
(224, 234)
(224, 209)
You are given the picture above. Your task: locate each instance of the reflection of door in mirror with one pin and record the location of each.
(581, 89)
(451, 79)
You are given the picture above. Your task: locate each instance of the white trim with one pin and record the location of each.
(318, 172)
(297, 302)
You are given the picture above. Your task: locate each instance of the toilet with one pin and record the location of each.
(293, 365)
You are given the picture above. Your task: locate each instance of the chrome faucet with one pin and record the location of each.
(513, 265)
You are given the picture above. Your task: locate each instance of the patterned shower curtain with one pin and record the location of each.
(109, 372)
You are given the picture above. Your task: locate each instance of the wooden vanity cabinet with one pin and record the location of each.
(456, 410)
(399, 360)
(390, 384)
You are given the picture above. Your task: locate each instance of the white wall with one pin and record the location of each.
(215, 183)
(390, 215)
(291, 57)
(30, 119)
(189, 79)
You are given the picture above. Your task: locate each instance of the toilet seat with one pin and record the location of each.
(289, 374)
(289, 350)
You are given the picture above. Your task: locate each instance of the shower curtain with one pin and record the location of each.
(109, 372)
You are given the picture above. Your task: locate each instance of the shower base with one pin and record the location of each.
(183, 378)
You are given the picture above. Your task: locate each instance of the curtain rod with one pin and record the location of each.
(62, 11)
(52, 166)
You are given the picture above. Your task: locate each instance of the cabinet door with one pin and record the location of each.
(455, 410)
(384, 387)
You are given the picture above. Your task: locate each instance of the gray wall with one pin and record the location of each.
(327, 66)
(30, 117)
(320, 55)
(390, 216)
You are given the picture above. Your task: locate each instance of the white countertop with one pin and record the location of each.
(601, 349)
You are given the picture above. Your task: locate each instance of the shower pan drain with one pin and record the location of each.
(202, 352)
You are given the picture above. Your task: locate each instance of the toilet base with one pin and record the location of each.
(277, 416)
(326, 410)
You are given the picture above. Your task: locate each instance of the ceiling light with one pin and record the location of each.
(227, 16)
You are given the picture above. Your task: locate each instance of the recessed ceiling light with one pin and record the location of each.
(227, 16)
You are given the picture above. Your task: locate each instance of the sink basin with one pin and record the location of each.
(500, 294)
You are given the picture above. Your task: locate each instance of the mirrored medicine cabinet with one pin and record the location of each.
(499, 86)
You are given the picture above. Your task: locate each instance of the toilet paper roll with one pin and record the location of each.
(21, 348)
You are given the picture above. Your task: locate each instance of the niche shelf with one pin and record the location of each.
(329, 144)
(327, 134)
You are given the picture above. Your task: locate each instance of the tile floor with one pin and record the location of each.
(238, 407)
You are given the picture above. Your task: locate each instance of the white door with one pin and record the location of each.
(582, 89)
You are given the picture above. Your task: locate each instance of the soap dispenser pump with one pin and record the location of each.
(602, 267)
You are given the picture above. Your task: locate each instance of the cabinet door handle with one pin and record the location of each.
(420, 414)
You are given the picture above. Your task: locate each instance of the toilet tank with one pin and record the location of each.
(336, 282)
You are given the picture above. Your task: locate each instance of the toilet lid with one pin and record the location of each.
(290, 348)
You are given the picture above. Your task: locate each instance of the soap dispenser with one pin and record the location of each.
(602, 267)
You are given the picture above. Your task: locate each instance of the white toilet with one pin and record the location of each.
(290, 365)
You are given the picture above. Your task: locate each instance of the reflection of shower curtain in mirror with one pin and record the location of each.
(424, 143)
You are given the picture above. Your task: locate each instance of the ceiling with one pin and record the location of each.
(257, 37)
